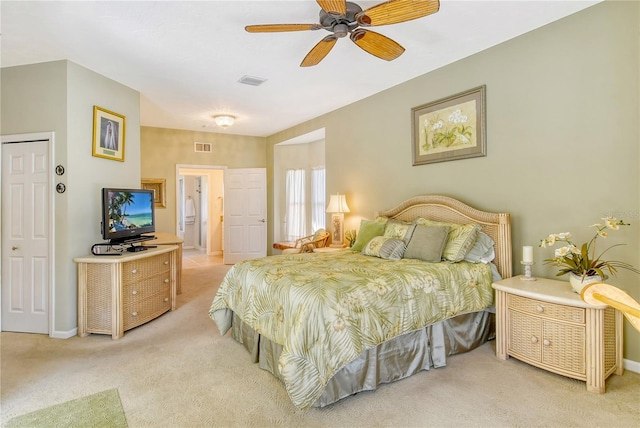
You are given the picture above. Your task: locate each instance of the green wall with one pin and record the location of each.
(163, 149)
(59, 96)
(562, 138)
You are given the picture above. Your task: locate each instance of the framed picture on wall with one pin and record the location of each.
(108, 134)
(450, 128)
(158, 187)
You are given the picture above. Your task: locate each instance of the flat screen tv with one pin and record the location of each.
(127, 215)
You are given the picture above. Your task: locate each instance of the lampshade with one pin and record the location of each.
(224, 120)
(338, 204)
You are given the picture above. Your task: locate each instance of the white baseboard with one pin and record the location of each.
(632, 366)
(64, 334)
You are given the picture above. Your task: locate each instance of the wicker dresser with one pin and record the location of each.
(118, 293)
(546, 324)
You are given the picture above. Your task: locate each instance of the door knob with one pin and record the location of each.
(262, 220)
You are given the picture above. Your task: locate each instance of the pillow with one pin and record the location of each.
(460, 239)
(368, 230)
(384, 247)
(427, 243)
(482, 251)
(399, 229)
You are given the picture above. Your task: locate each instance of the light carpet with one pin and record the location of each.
(101, 410)
(177, 371)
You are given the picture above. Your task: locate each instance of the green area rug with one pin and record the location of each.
(103, 409)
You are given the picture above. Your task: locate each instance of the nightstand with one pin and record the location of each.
(546, 324)
(328, 249)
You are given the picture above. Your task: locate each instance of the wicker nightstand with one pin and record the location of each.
(546, 324)
(328, 249)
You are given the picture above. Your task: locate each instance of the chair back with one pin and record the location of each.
(321, 238)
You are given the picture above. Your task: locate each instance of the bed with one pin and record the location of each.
(330, 325)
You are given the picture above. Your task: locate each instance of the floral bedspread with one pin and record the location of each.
(326, 308)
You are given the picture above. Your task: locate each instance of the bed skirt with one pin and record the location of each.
(390, 361)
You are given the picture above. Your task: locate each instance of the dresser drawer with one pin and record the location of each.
(136, 270)
(546, 309)
(145, 310)
(140, 290)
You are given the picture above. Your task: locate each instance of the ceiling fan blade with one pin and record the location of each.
(336, 7)
(276, 28)
(394, 11)
(376, 44)
(319, 51)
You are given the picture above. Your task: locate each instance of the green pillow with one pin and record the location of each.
(427, 243)
(368, 230)
(460, 239)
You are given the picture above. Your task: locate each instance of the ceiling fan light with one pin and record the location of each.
(224, 120)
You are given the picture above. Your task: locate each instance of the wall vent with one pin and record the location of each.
(202, 147)
(252, 81)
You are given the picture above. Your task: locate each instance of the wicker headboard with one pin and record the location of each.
(444, 208)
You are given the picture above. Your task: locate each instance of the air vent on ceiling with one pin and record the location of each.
(202, 147)
(251, 80)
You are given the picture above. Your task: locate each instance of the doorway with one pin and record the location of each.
(199, 207)
(27, 265)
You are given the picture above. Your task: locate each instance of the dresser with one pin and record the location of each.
(118, 293)
(546, 324)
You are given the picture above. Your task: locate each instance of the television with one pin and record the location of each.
(127, 215)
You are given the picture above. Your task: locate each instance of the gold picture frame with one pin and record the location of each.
(108, 134)
(450, 128)
(158, 187)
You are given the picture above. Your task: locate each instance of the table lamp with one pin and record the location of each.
(337, 207)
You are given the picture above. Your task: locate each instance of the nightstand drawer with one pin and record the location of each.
(546, 309)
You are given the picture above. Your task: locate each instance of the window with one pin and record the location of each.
(318, 201)
(303, 211)
(295, 216)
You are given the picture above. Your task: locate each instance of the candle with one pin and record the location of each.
(527, 254)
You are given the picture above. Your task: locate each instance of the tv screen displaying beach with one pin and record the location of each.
(130, 210)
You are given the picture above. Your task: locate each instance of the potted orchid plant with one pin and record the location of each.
(582, 262)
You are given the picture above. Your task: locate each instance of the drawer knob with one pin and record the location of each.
(540, 308)
(534, 339)
(134, 271)
(166, 299)
(134, 314)
(546, 342)
(134, 292)
(166, 281)
(166, 262)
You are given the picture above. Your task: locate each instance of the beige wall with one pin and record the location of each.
(59, 96)
(562, 138)
(163, 149)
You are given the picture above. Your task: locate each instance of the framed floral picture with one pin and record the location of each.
(108, 134)
(450, 128)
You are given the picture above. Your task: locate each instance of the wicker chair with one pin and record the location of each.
(307, 244)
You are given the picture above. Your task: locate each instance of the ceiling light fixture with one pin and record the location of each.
(224, 120)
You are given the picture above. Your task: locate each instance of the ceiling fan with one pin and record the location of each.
(341, 17)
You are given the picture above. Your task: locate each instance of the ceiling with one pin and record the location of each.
(186, 57)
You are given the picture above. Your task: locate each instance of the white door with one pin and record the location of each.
(245, 208)
(26, 267)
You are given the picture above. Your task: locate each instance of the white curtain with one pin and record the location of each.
(318, 198)
(295, 204)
